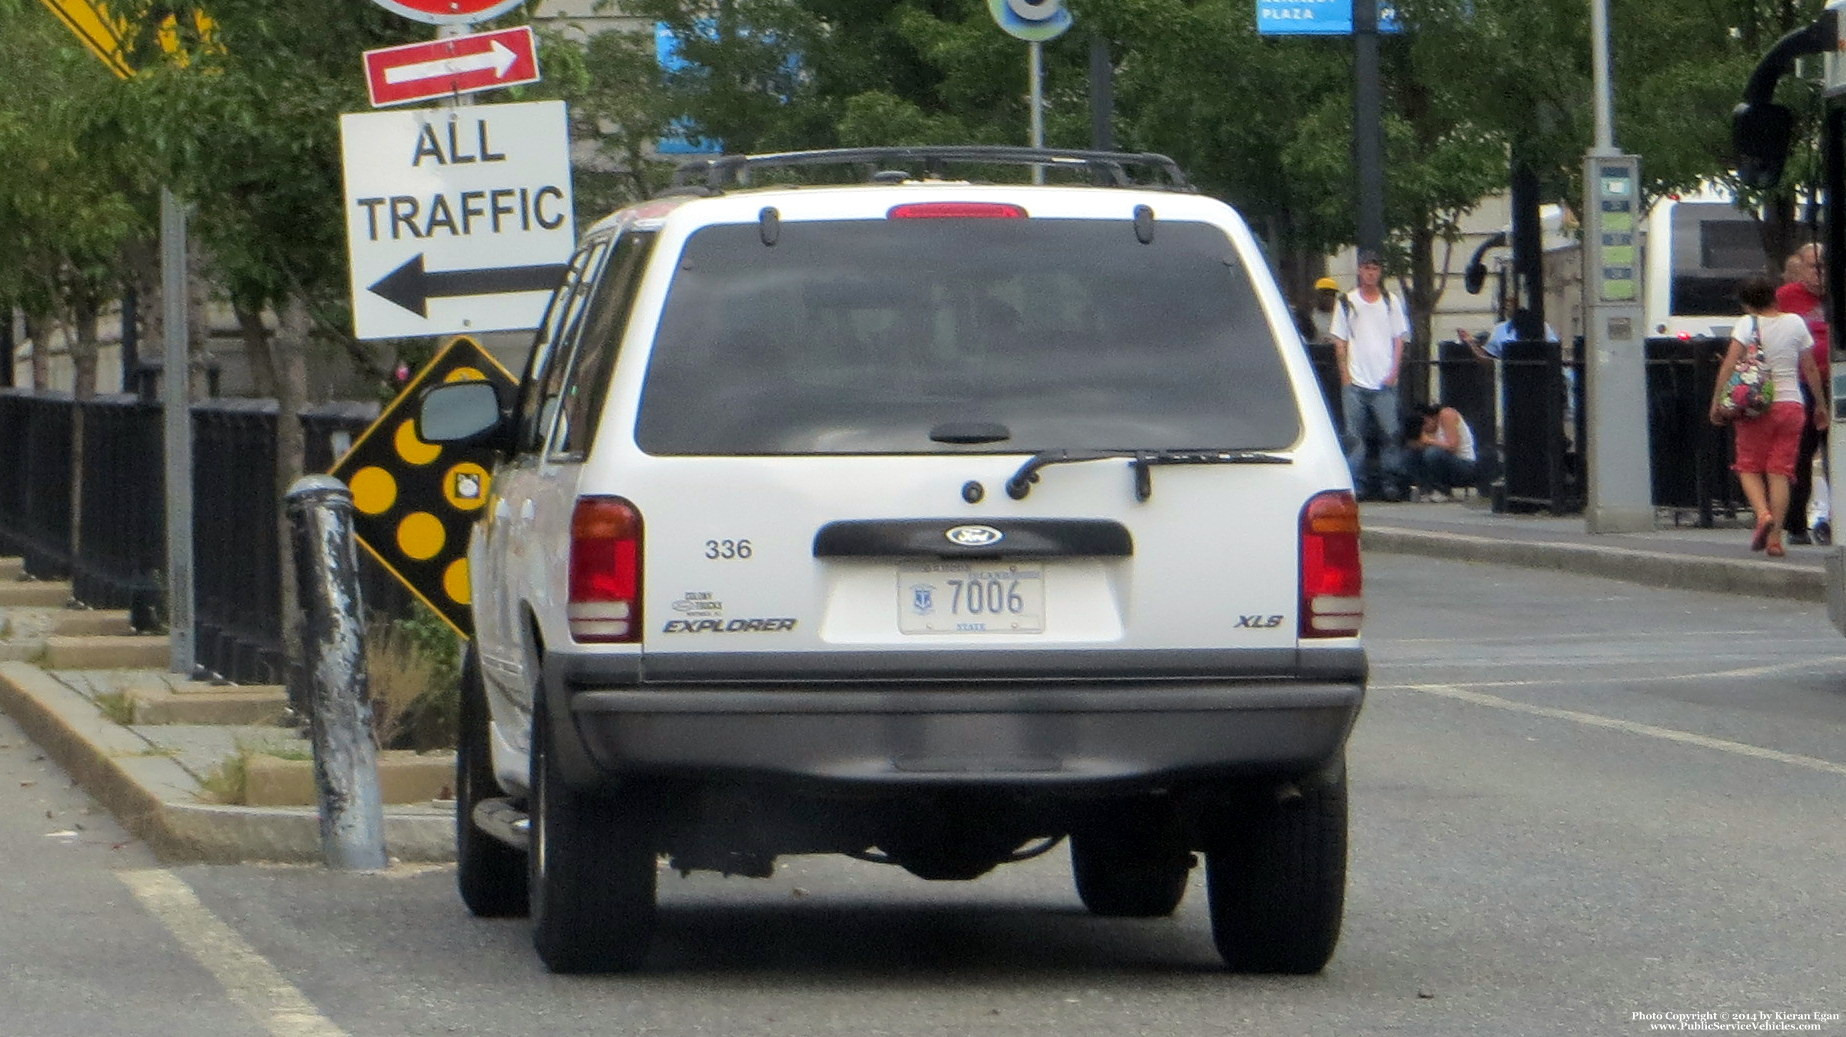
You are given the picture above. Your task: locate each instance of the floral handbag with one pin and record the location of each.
(1749, 392)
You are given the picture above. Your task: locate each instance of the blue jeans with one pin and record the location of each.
(1373, 410)
(1434, 468)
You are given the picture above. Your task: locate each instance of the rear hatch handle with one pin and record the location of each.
(1141, 463)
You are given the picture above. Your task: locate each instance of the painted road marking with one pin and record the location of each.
(246, 975)
(1648, 730)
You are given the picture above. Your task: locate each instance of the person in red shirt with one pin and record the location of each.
(1804, 295)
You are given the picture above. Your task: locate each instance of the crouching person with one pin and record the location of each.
(1441, 452)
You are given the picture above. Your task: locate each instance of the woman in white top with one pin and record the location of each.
(1442, 455)
(1766, 445)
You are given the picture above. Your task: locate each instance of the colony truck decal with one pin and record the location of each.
(457, 219)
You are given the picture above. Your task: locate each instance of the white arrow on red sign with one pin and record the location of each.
(452, 65)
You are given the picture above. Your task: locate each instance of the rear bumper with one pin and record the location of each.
(1001, 733)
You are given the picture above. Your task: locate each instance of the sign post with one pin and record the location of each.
(1620, 497)
(1034, 21)
(1363, 20)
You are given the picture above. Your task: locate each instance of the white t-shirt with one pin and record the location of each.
(1785, 338)
(1368, 332)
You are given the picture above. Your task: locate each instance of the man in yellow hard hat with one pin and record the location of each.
(1326, 300)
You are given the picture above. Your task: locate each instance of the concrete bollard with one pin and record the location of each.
(352, 815)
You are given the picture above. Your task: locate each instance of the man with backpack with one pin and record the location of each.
(1369, 329)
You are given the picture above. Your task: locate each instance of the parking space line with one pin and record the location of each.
(1647, 730)
(247, 976)
(1827, 664)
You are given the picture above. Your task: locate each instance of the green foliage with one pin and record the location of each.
(413, 665)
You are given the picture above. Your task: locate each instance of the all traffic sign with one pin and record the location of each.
(451, 65)
(457, 219)
(449, 12)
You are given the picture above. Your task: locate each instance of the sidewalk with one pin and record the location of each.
(1686, 557)
(151, 776)
(67, 677)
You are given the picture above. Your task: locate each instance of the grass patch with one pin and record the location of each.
(118, 706)
(229, 782)
(413, 670)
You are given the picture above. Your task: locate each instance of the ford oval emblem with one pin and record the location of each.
(974, 536)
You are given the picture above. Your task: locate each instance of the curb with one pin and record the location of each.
(1652, 568)
(158, 800)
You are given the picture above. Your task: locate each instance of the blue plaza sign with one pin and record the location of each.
(1316, 18)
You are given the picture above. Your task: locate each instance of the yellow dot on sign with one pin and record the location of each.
(412, 449)
(455, 581)
(464, 374)
(465, 486)
(374, 490)
(421, 536)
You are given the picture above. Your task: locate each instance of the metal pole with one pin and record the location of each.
(1102, 96)
(177, 427)
(1036, 72)
(1603, 99)
(1617, 463)
(352, 817)
(1368, 125)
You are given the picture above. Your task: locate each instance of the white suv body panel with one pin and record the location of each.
(1215, 558)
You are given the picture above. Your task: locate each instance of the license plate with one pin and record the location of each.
(970, 598)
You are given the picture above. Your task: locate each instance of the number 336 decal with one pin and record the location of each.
(727, 549)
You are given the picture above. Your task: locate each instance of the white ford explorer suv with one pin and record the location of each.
(926, 520)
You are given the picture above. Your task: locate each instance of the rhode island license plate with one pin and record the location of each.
(970, 598)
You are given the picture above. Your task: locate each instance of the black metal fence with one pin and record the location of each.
(1528, 417)
(119, 557)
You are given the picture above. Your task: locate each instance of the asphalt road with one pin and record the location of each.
(1574, 800)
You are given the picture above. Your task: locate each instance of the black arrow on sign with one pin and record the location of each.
(412, 287)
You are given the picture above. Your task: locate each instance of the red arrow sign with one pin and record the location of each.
(454, 65)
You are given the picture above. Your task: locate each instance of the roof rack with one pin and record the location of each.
(1105, 168)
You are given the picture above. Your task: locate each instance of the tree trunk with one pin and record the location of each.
(1419, 308)
(38, 331)
(83, 349)
(287, 357)
(257, 349)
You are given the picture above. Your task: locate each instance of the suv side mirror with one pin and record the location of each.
(1760, 134)
(460, 412)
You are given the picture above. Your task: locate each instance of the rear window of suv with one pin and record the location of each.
(860, 336)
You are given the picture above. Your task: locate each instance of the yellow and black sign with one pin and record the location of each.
(414, 501)
(107, 36)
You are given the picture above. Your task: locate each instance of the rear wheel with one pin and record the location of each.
(490, 874)
(592, 871)
(1276, 875)
(1129, 871)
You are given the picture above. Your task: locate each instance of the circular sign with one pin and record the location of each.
(1035, 21)
(449, 12)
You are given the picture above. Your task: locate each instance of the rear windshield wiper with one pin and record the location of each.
(1141, 462)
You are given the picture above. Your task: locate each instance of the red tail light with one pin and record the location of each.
(605, 571)
(956, 211)
(1332, 601)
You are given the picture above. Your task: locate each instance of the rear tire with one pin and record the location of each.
(592, 871)
(490, 874)
(1129, 873)
(1276, 876)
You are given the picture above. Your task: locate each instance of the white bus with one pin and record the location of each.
(1698, 246)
